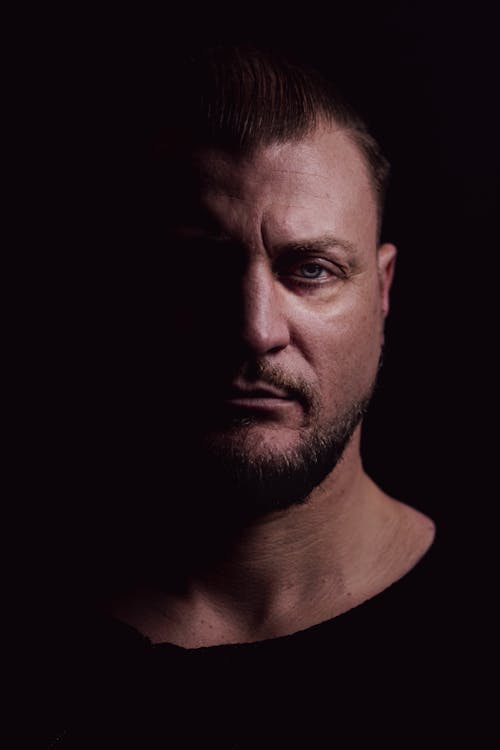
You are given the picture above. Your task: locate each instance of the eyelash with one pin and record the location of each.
(311, 283)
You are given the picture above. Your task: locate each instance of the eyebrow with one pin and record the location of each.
(319, 244)
(306, 246)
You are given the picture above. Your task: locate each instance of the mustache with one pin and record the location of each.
(274, 375)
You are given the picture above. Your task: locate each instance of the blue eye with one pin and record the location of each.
(310, 275)
(311, 270)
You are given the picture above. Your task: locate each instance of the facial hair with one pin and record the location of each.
(226, 477)
(212, 484)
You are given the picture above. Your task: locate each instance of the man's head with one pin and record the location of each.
(268, 198)
(241, 98)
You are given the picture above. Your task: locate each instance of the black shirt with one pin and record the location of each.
(392, 672)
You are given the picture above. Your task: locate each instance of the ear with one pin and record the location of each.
(386, 261)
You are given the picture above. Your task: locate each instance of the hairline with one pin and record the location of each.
(322, 119)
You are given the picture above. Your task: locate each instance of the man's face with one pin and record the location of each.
(279, 294)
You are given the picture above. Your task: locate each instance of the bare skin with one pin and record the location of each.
(297, 567)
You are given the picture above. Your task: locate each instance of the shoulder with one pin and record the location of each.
(82, 668)
(405, 533)
(397, 537)
(416, 532)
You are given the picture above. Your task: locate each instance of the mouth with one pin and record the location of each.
(257, 398)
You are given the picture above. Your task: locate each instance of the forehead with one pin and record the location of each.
(295, 189)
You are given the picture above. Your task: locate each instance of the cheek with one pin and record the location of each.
(343, 350)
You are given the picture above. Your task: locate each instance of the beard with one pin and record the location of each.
(238, 478)
(222, 478)
(253, 485)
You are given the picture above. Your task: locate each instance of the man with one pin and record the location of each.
(278, 340)
(265, 610)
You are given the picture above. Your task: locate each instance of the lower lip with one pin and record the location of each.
(259, 402)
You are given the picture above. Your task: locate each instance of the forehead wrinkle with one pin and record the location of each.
(225, 194)
(210, 185)
(287, 204)
(210, 182)
(307, 193)
(255, 204)
(300, 171)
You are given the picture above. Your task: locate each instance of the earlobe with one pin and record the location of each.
(386, 261)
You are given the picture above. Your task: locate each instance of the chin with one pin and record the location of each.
(257, 440)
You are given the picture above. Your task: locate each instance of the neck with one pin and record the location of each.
(286, 571)
(289, 551)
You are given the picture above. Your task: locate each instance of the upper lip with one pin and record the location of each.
(259, 390)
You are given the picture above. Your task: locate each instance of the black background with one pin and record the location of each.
(422, 74)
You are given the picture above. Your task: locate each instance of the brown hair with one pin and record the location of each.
(241, 97)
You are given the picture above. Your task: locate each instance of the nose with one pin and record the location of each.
(264, 327)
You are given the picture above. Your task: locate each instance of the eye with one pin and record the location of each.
(310, 273)
(311, 270)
